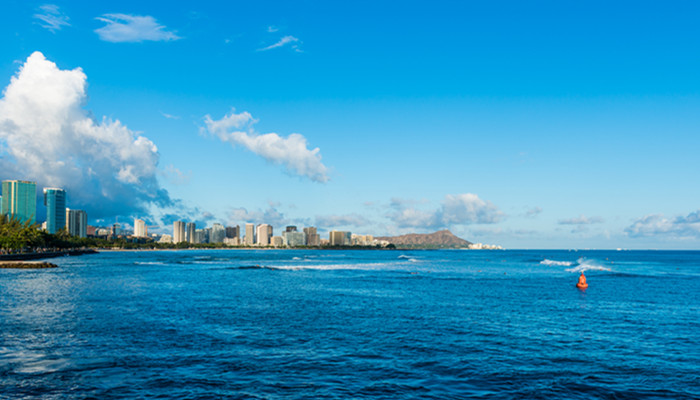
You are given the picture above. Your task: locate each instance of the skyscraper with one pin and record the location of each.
(249, 234)
(178, 232)
(191, 228)
(233, 232)
(76, 222)
(340, 238)
(264, 235)
(19, 199)
(55, 202)
(140, 228)
(218, 233)
(312, 237)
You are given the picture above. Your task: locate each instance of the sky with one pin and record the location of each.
(541, 124)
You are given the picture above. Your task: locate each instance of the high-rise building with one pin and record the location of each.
(312, 237)
(340, 238)
(218, 233)
(264, 235)
(19, 199)
(140, 228)
(190, 230)
(55, 202)
(178, 232)
(76, 222)
(293, 239)
(199, 236)
(290, 228)
(233, 232)
(116, 230)
(249, 234)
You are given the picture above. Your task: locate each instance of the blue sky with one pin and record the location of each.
(525, 124)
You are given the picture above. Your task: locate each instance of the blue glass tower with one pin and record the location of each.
(55, 202)
(19, 199)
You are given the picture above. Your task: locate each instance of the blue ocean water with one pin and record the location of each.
(267, 324)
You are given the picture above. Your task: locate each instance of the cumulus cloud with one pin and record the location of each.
(658, 225)
(291, 152)
(286, 40)
(457, 209)
(132, 28)
(581, 220)
(51, 17)
(46, 136)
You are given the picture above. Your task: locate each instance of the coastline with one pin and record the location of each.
(41, 256)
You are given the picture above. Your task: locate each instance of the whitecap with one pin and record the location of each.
(587, 265)
(556, 263)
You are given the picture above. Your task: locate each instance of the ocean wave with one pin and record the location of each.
(323, 267)
(149, 263)
(587, 265)
(556, 263)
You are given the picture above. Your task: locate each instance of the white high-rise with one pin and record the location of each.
(178, 232)
(191, 228)
(76, 222)
(140, 228)
(264, 235)
(249, 234)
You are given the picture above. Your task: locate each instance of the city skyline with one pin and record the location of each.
(539, 126)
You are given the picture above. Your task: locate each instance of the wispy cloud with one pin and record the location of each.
(289, 40)
(658, 225)
(581, 220)
(291, 152)
(272, 29)
(169, 116)
(51, 17)
(270, 216)
(133, 28)
(533, 212)
(335, 221)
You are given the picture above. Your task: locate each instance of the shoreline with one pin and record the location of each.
(41, 256)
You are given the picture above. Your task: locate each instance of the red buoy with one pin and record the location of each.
(582, 281)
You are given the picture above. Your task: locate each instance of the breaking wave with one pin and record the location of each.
(556, 263)
(587, 265)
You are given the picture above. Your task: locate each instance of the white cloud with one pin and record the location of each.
(132, 28)
(292, 151)
(286, 40)
(51, 17)
(272, 29)
(457, 209)
(658, 225)
(46, 136)
(468, 208)
(581, 220)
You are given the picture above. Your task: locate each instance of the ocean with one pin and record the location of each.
(310, 324)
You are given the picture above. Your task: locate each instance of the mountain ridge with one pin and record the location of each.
(443, 239)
